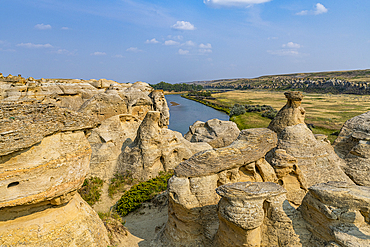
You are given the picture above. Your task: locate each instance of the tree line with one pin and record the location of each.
(178, 87)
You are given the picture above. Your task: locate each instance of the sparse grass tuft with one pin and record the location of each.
(91, 190)
(118, 182)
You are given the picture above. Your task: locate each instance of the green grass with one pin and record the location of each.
(118, 182)
(144, 191)
(250, 120)
(91, 190)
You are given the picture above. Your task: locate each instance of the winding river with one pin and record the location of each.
(184, 112)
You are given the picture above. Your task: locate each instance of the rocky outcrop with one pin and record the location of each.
(353, 145)
(155, 149)
(192, 219)
(338, 213)
(254, 214)
(44, 159)
(291, 114)
(300, 161)
(215, 132)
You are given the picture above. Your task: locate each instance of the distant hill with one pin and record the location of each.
(349, 82)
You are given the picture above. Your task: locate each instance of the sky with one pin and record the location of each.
(181, 41)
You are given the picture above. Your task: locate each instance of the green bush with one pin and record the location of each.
(144, 191)
(237, 110)
(91, 190)
(269, 114)
(118, 182)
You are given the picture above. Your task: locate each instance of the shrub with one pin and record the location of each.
(269, 114)
(144, 191)
(91, 190)
(118, 182)
(237, 110)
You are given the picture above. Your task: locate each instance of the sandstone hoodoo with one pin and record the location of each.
(353, 145)
(156, 149)
(215, 132)
(44, 160)
(291, 114)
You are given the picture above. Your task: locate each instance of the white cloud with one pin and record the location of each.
(320, 9)
(31, 45)
(292, 45)
(98, 53)
(285, 52)
(152, 41)
(65, 28)
(183, 52)
(42, 26)
(118, 56)
(183, 25)
(207, 46)
(133, 49)
(64, 52)
(189, 43)
(171, 42)
(205, 50)
(239, 3)
(303, 12)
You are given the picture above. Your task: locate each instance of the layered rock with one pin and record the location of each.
(44, 159)
(155, 149)
(253, 214)
(192, 219)
(215, 132)
(338, 213)
(291, 114)
(353, 145)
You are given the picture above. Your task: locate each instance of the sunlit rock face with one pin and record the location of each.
(353, 145)
(215, 132)
(44, 159)
(192, 219)
(156, 149)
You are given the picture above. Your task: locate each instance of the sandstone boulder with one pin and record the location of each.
(291, 114)
(338, 213)
(353, 145)
(44, 159)
(300, 161)
(156, 149)
(215, 132)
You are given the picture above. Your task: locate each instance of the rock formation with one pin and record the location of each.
(338, 213)
(156, 149)
(215, 132)
(44, 159)
(353, 146)
(192, 218)
(291, 114)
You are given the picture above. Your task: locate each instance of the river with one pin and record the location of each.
(184, 112)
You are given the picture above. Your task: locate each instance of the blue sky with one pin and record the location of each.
(179, 41)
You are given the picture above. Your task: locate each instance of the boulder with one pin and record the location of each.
(215, 132)
(192, 217)
(156, 149)
(291, 114)
(338, 213)
(300, 161)
(44, 159)
(353, 145)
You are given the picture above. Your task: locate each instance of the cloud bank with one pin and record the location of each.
(31, 45)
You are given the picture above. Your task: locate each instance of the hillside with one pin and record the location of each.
(348, 82)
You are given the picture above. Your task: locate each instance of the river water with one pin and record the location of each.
(184, 112)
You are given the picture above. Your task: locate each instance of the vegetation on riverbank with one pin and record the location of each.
(178, 87)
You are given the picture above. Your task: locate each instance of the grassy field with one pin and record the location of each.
(326, 112)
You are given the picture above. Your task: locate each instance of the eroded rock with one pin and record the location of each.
(215, 132)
